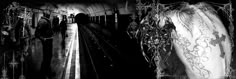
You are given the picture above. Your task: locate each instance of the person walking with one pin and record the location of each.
(44, 32)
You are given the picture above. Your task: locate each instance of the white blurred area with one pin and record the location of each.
(62, 9)
(66, 8)
(72, 49)
(97, 9)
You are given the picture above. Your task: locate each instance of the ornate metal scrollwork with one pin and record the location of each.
(154, 32)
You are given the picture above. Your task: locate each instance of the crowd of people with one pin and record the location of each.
(19, 29)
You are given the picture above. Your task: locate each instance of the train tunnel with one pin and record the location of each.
(87, 39)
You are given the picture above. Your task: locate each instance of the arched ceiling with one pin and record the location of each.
(91, 7)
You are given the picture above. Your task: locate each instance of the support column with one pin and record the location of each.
(92, 18)
(116, 20)
(99, 19)
(95, 19)
(105, 19)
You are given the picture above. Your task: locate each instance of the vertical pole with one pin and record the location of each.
(116, 19)
(95, 19)
(99, 19)
(105, 19)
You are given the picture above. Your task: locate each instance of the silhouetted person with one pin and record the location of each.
(63, 28)
(44, 32)
(55, 23)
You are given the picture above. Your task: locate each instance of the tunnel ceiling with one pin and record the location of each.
(92, 7)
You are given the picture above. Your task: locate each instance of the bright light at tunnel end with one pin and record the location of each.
(73, 11)
(68, 8)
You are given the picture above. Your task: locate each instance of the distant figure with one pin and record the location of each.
(44, 32)
(63, 28)
(55, 23)
(72, 20)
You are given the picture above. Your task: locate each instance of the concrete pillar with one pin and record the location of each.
(105, 19)
(116, 21)
(99, 20)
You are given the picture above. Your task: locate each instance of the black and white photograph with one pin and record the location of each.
(117, 39)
